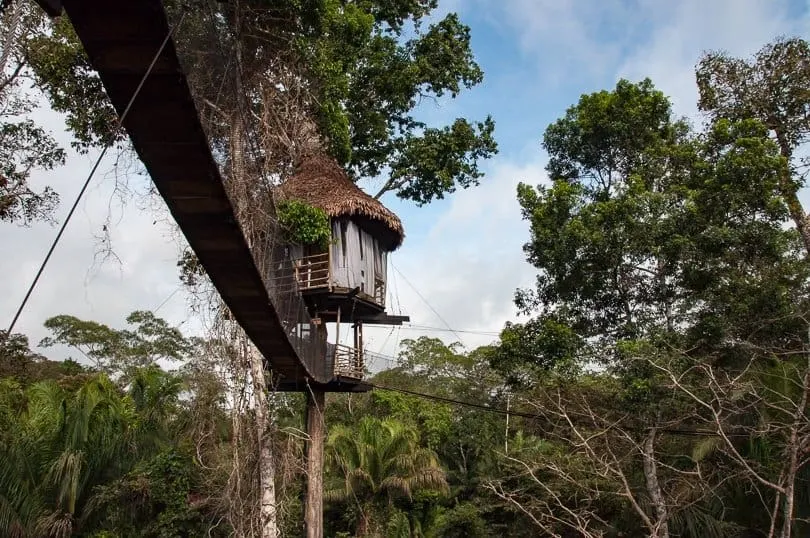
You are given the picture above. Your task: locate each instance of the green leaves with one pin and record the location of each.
(304, 224)
(365, 65)
(465, 440)
(439, 161)
(772, 87)
(120, 351)
(444, 59)
(62, 70)
(24, 146)
(152, 500)
(528, 351)
(370, 79)
(92, 459)
(380, 460)
(644, 219)
(607, 134)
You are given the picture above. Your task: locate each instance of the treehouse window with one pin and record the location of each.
(360, 238)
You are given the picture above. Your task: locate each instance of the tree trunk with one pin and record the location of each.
(794, 448)
(796, 212)
(661, 528)
(790, 194)
(267, 468)
(316, 431)
(267, 465)
(363, 528)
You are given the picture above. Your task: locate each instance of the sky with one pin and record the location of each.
(462, 259)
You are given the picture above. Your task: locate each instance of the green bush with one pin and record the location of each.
(304, 224)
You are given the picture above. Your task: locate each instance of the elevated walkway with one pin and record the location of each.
(121, 39)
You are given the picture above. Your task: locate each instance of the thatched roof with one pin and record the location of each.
(321, 182)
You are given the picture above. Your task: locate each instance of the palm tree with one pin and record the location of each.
(58, 446)
(21, 503)
(154, 395)
(376, 462)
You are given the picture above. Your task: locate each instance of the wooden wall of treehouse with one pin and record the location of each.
(356, 260)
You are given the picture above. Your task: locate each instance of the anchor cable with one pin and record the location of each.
(119, 123)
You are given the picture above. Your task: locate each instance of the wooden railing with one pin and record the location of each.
(284, 292)
(348, 362)
(312, 271)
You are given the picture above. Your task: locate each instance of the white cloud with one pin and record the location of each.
(468, 266)
(77, 280)
(685, 29)
(583, 43)
(567, 36)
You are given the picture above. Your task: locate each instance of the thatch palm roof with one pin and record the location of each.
(321, 182)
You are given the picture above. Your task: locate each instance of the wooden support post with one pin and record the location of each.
(360, 358)
(337, 327)
(316, 431)
(329, 267)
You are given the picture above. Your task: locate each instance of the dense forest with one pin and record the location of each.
(658, 387)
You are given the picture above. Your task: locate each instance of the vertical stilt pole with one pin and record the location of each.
(355, 354)
(361, 359)
(316, 431)
(337, 327)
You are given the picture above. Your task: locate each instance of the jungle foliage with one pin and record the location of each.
(660, 387)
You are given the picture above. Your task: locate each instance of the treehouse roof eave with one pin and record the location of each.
(321, 182)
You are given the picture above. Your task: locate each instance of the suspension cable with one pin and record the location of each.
(107, 146)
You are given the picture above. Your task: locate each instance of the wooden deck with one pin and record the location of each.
(121, 39)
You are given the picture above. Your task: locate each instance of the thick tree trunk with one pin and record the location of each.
(267, 466)
(316, 431)
(790, 194)
(661, 528)
(796, 211)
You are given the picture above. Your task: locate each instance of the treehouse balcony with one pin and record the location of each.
(327, 286)
(346, 361)
(313, 272)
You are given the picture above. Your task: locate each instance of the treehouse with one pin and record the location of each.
(342, 271)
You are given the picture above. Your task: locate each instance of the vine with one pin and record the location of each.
(304, 224)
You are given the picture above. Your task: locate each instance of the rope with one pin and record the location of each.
(119, 123)
(535, 416)
(408, 282)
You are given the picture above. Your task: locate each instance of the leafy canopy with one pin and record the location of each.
(24, 146)
(773, 87)
(117, 351)
(644, 222)
(366, 64)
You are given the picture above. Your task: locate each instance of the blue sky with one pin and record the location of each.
(462, 254)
